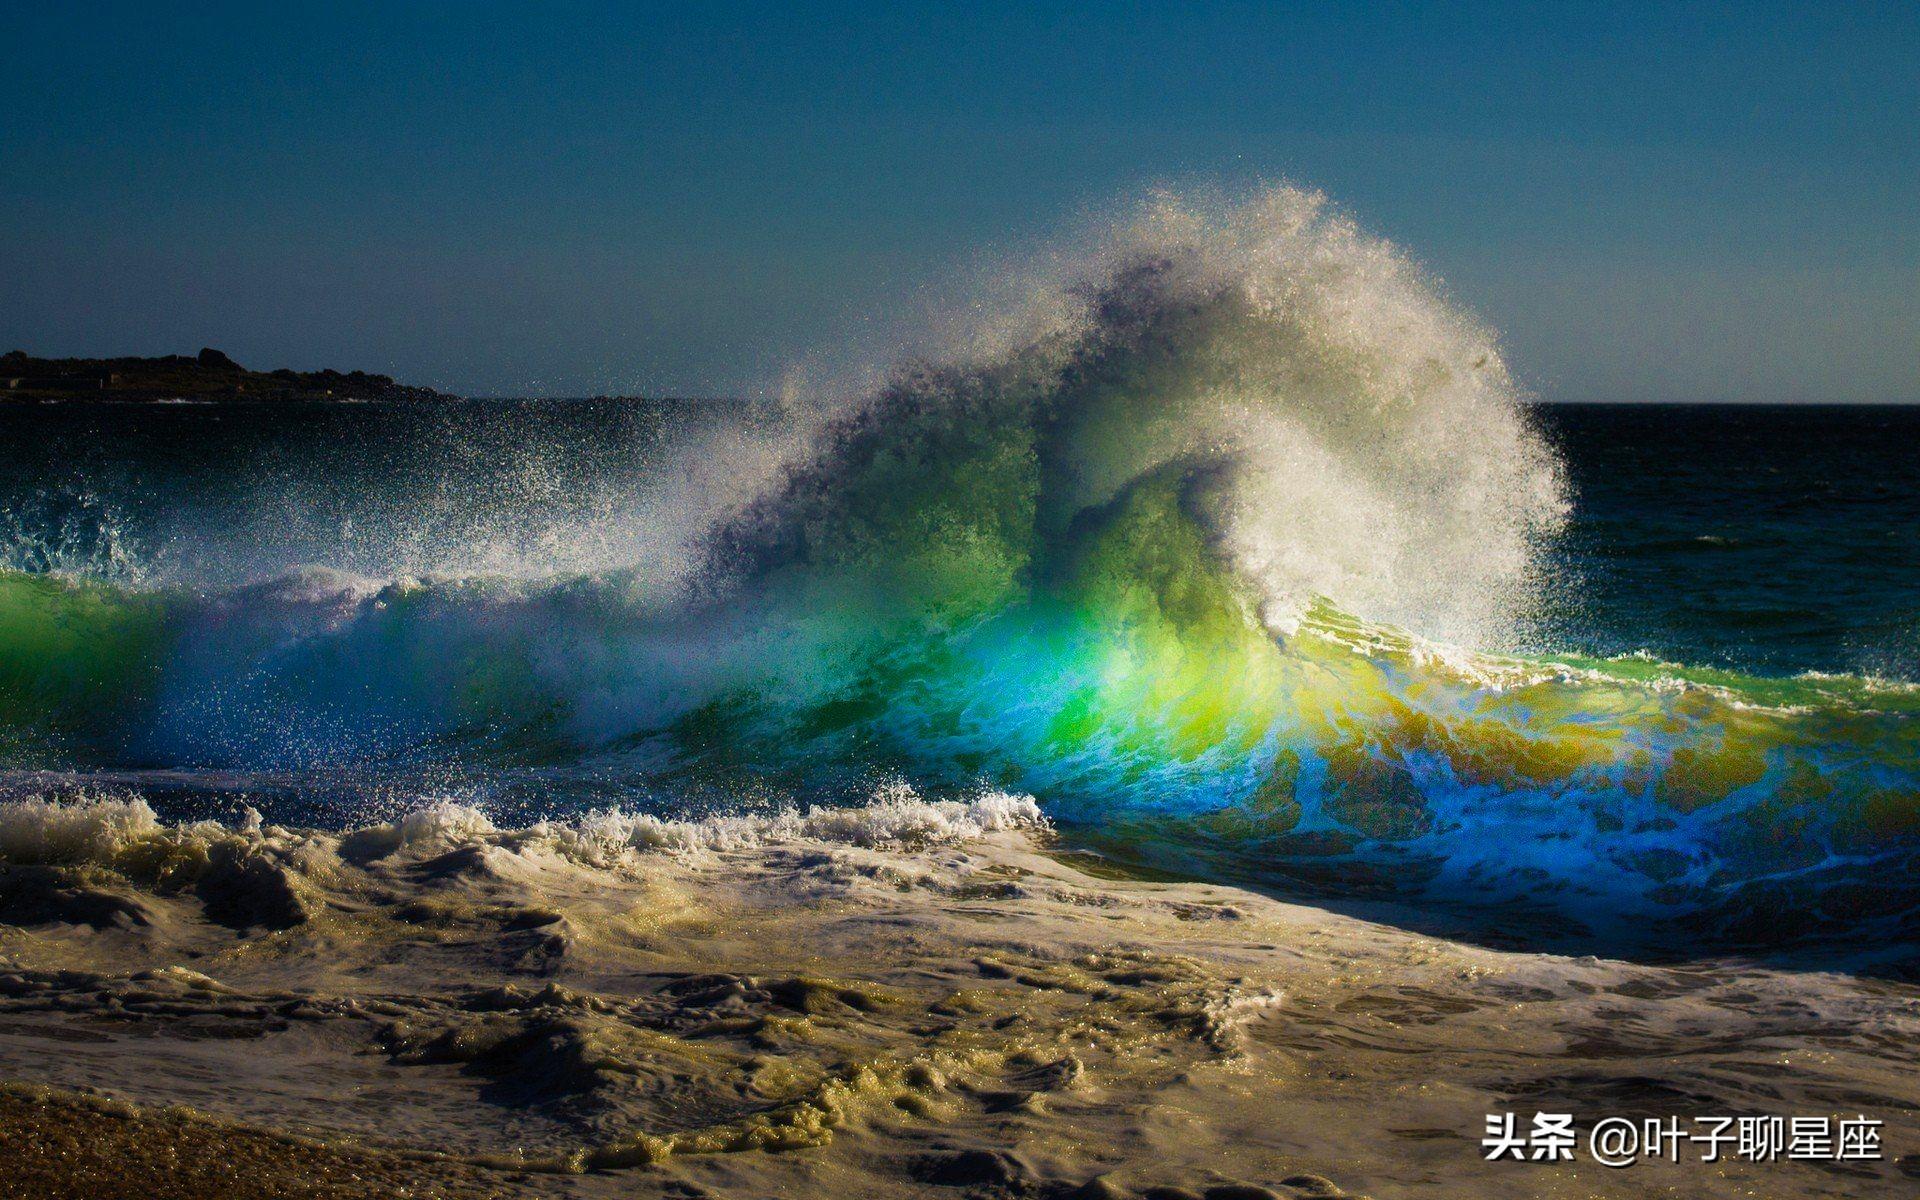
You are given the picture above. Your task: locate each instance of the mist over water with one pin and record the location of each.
(1338, 428)
(1227, 536)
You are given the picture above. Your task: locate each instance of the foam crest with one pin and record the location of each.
(122, 831)
(1343, 430)
(897, 818)
(88, 829)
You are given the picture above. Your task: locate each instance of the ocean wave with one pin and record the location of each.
(1222, 527)
(122, 831)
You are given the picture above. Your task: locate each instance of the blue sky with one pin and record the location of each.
(1651, 202)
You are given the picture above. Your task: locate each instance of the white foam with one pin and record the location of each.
(87, 829)
(897, 818)
(103, 830)
(1363, 438)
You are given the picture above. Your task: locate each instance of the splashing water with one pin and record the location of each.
(1220, 540)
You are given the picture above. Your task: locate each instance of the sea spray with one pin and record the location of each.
(1213, 542)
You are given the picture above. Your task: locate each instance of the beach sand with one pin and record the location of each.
(915, 999)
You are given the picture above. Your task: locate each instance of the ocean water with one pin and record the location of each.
(1759, 538)
(1232, 543)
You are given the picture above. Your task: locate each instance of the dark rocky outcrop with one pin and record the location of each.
(209, 375)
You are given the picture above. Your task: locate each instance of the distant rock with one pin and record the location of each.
(209, 375)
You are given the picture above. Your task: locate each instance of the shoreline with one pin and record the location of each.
(909, 1000)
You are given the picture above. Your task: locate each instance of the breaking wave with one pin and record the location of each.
(123, 832)
(1218, 540)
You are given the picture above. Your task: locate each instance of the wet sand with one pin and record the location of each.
(62, 1146)
(912, 1000)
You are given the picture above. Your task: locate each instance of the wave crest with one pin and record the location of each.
(1342, 429)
